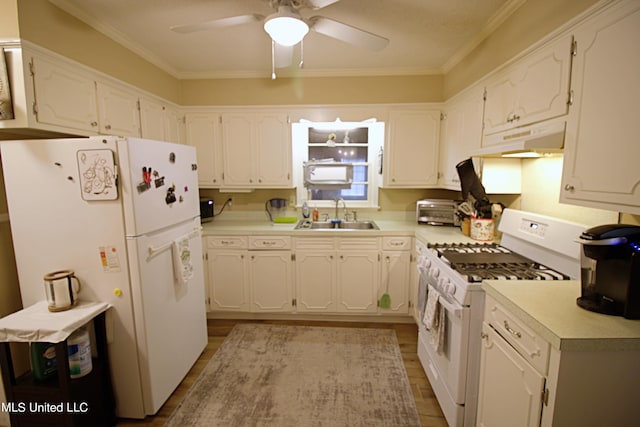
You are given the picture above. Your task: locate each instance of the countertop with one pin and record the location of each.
(425, 233)
(550, 309)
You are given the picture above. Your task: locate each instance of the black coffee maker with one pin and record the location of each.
(610, 270)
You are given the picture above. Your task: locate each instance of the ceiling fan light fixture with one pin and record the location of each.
(286, 27)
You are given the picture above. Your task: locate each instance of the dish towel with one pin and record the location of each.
(182, 263)
(434, 319)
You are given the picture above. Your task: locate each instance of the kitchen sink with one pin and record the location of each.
(336, 225)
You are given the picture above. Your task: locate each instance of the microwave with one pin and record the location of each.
(206, 210)
(437, 212)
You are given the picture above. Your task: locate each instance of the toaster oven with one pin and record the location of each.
(437, 212)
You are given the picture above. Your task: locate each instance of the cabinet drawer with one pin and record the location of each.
(527, 342)
(268, 242)
(358, 244)
(227, 242)
(399, 243)
(315, 243)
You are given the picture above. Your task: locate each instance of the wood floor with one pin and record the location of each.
(428, 408)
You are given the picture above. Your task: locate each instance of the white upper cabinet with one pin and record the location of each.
(203, 132)
(64, 96)
(174, 125)
(118, 110)
(461, 133)
(600, 166)
(531, 90)
(160, 121)
(238, 142)
(256, 150)
(273, 150)
(411, 149)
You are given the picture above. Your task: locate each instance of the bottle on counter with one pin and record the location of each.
(316, 214)
(305, 210)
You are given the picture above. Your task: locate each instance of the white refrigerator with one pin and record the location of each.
(123, 213)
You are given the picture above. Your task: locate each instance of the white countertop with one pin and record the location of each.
(550, 309)
(426, 233)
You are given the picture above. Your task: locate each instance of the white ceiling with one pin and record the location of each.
(426, 36)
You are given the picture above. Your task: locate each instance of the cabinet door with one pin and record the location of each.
(532, 90)
(357, 282)
(228, 281)
(173, 125)
(543, 84)
(461, 133)
(270, 280)
(118, 109)
(600, 166)
(273, 150)
(500, 104)
(203, 132)
(237, 148)
(315, 281)
(411, 154)
(510, 392)
(395, 276)
(64, 96)
(152, 119)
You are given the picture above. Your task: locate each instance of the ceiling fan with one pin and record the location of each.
(287, 27)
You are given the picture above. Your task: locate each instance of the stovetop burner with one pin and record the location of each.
(480, 261)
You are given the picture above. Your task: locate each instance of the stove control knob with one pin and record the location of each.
(435, 272)
(427, 263)
(452, 289)
(448, 287)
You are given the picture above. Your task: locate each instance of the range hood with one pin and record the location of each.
(535, 140)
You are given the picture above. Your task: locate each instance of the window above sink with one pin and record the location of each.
(357, 145)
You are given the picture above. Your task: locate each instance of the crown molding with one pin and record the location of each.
(494, 22)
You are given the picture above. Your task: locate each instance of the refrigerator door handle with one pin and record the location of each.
(153, 251)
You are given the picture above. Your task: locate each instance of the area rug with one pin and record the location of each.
(281, 375)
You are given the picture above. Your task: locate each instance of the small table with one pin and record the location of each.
(61, 400)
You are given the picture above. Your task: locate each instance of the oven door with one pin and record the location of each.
(447, 369)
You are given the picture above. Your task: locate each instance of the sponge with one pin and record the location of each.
(285, 220)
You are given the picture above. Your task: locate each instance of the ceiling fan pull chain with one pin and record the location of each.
(301, 65)
(273, 60)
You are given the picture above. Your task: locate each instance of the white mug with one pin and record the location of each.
(62, 288)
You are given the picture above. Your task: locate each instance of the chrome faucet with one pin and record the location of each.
(344, 204)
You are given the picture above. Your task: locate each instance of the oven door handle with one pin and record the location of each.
(452, 307)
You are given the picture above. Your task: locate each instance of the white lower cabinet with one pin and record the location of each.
(245, 275)
(525, 381)
(337, 275)
(270, 274)
(510, 388)
(227, 266)
(395, 273)
(357, 281)
(315, 275)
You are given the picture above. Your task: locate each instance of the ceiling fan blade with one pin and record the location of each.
(347, 33)
(217, 23)
(319, 4)
(283, 56)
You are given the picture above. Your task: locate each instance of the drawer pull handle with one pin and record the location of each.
(511, 331)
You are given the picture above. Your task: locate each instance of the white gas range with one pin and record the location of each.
(532, 247)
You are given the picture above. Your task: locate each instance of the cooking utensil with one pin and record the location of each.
(472, 187)
(385, 299)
